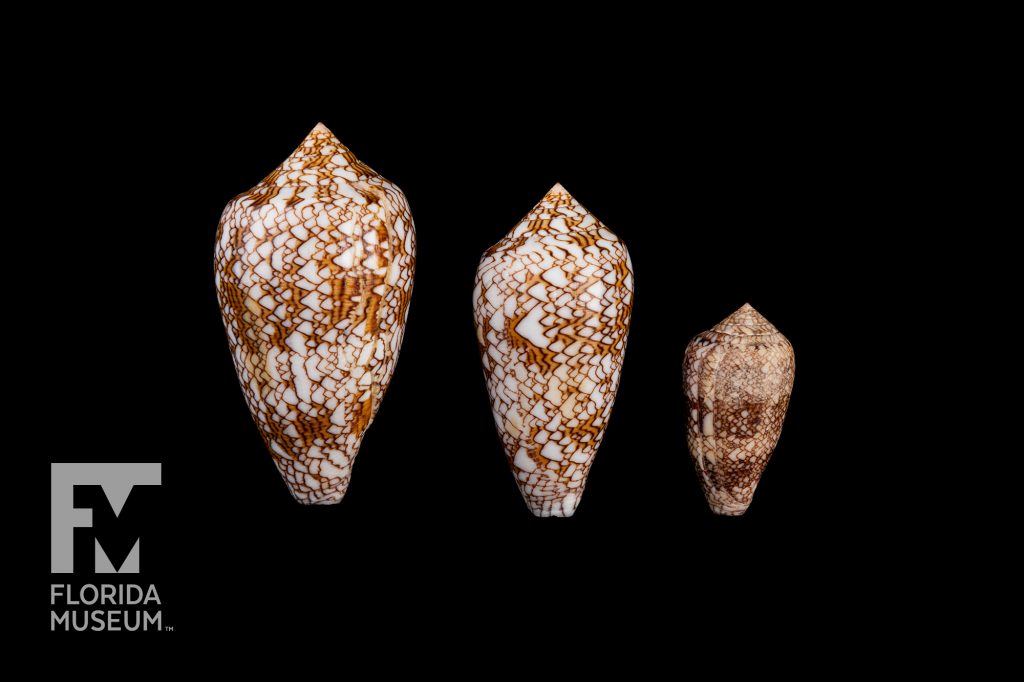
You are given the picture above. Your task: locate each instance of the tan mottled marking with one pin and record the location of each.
(738, 379)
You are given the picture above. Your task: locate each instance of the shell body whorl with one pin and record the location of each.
(314, 269)
(738, 378)
(552, 305)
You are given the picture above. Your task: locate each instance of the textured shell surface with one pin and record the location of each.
(314, 269)
(552, 305)
(738, 378)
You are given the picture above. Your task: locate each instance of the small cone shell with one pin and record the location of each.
(738, 379)
(314, 269)
(552, 303)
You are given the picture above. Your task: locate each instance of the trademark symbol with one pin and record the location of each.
(169, 628)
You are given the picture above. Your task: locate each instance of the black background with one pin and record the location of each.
(740, 183)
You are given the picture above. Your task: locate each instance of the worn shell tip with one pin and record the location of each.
(746, 321)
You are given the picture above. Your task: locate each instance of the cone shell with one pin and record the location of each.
(738, 379)
(552, 304)
(314, 269)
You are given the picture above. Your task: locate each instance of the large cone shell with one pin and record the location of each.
(314, 269)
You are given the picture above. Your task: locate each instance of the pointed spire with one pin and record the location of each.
(322, 136)
(745, 322)
(558, 212)
(558, 196)
(319, 143)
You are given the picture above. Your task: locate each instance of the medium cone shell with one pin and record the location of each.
(552, 304)
(738, 378)
(314, 269)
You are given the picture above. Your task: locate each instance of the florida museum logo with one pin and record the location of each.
(99, 604)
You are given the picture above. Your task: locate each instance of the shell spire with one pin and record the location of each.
(745, 322)
(314, 269)
(552, 305)
(738, 378)
(320, 148)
